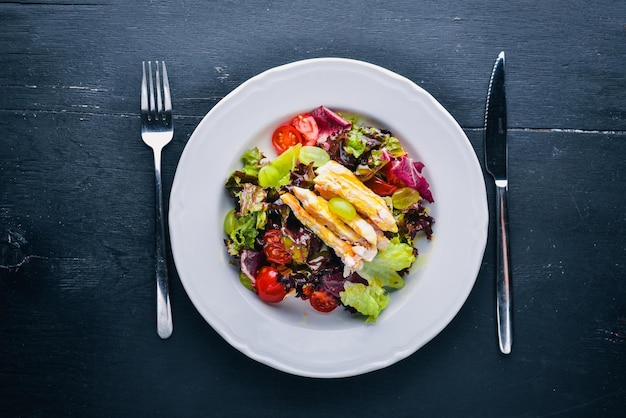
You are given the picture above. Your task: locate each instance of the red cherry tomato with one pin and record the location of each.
(305, 124)
(267, 286)
(323, 301)
(274, 248)
(380, 186)
(284, 137)
(307, 291)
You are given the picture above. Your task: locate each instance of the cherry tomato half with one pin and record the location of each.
(307, 291)
(380, 186)
(323, 301)
(305, 124)
(267, 286)
(285, 136)
(274, 248)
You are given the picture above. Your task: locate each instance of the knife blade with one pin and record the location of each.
(496, 160)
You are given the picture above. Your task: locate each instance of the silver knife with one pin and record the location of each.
(496, 154)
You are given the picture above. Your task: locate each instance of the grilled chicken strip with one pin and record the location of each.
(350, 259)
(334, 178)
(360, 225)
(318, 208)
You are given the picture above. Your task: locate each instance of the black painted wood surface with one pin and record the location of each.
(77, 335)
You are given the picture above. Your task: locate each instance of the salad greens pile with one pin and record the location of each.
(278, 255)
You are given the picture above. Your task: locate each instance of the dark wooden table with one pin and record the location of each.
(77, 311)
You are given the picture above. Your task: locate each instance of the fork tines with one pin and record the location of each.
(155, 107)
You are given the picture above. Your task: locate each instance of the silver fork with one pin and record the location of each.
(157, 131)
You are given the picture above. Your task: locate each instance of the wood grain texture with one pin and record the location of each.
(77, 334)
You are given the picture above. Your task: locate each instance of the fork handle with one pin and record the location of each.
(164, 311)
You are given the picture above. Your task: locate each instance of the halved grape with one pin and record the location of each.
(230, 222)
(311, 154)
(342, 208)
(404, 197)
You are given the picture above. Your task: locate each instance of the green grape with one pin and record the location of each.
(230, 222)
(404, 197)
(342, 208)
(246, 281)
(316, 155)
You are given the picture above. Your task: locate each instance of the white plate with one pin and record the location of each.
(291, 336)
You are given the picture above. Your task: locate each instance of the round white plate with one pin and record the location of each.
(291, 336)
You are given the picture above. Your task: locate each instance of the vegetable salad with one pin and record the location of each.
(332, 219)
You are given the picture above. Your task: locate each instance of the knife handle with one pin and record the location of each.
(503, 273)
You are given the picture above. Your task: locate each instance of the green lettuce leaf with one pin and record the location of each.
(276, 173)
(385, 266)
(368, 300)
(252, 199)
(251, 160)
(244, 233)
(387, 277)
(355, 144)
(393, 145)
(396, 256)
